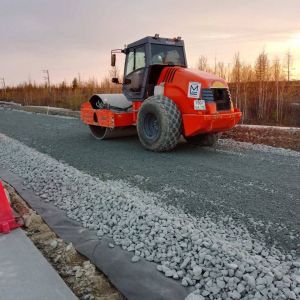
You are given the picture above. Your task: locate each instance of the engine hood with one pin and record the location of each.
(184, 76)
(208, 80)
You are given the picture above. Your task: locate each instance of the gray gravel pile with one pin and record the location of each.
(220, 259)
(232, 144)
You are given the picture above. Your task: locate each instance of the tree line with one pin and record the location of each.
(264, 90)
(62, 95)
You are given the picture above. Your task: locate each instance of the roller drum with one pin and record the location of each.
(118, 101)
(105, 133)
(106, 101)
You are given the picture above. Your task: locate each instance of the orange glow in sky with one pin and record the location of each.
(280, 48)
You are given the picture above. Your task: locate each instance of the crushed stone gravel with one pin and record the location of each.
(231, 144)
(220, 259)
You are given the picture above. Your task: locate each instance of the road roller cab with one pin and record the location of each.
(162, 99)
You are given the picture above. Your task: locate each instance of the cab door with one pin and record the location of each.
(135, 73)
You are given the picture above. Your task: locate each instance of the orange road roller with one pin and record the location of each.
(161, 99)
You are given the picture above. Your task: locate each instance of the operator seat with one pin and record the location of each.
(136, 81)
(157, 59)
(172, 57)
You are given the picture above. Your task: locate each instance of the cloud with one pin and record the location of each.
(68, 37)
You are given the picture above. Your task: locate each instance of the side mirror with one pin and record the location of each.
(113, 59)
(127, 81)
(115, 80)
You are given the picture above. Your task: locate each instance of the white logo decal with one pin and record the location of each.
(199, 105)
(194, 90)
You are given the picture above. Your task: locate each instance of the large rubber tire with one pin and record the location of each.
(208, 139)
(159, 124)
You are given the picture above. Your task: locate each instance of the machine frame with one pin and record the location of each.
(174, 82)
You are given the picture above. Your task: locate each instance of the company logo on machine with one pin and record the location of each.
(194, 90)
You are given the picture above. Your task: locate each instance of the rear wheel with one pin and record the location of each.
(208, 139)
(159, 124)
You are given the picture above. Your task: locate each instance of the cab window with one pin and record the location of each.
(167, 55)
(130, 62)
(136, 59)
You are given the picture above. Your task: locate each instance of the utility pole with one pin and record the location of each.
(277, 69)
(46, 77)
(47, 81)
(4, 86)
(79, 79)
(215, 64)
(289, 65)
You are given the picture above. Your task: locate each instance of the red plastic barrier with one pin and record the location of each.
(7, 218)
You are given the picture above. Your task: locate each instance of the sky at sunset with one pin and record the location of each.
(75, 36)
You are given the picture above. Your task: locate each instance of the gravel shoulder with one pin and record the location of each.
(216, 257)
(283, 137)
(48, 110)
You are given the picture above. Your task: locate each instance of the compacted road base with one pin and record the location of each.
(259, 188)
(235, 197)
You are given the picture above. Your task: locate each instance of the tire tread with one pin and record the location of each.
(172, 114)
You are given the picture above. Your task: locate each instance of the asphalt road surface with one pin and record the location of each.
(259, 189)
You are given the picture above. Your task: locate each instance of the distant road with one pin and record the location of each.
(257, 188)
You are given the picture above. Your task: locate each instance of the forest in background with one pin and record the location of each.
(264, 90)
